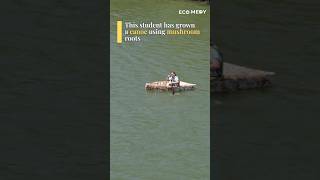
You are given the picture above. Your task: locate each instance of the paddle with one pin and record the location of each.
(173, 91)
(172, 84)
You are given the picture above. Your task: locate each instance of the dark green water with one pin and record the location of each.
(274, 133)
(54, 90)
(158, 135)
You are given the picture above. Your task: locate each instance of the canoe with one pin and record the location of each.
(237, 78)
(164, 85)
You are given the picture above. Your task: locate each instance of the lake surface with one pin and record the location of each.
(157, 135)
(271, 133)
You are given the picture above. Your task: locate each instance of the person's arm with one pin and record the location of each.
(177, 80)
(215, 64)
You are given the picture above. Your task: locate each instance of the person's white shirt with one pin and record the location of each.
(176, 79)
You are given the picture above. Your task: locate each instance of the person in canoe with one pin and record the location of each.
(173, 79)
(216, 62)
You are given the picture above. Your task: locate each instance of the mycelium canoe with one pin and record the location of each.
(164, 85)
(240, 78)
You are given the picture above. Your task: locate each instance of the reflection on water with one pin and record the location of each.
(157, 135)
(271, 133)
